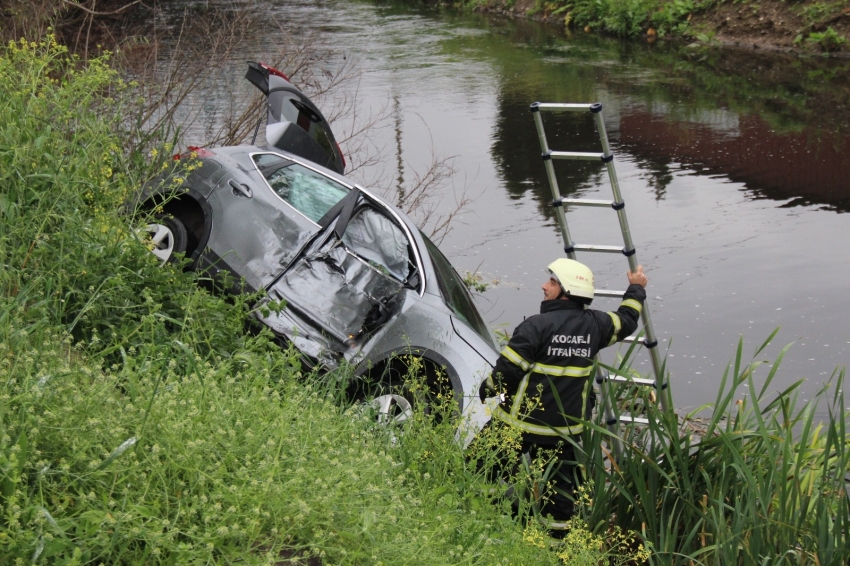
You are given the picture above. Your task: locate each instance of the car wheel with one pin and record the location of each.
(391, 408)
(168, 237)
(392, 392)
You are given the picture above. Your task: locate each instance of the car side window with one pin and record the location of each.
(310, 193)
(454, 291)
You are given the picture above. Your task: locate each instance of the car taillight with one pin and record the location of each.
(340, 154)
(273, 71)
(200, 151)
(194, 151)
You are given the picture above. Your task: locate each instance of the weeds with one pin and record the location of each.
(629, 18)
(827, 41)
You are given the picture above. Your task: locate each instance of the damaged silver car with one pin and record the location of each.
(358, 281)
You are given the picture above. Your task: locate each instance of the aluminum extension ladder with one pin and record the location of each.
(648, 340)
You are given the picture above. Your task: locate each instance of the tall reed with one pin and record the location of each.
(761, 480)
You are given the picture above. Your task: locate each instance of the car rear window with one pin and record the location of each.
(454, 291)
(309, 192)
(288, 107)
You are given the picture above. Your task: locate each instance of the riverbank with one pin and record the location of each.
(807, 27)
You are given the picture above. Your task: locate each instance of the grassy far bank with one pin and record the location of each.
(142, 424)
(806, 26)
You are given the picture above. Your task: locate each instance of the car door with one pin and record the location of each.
(350, 285)
(265, 212)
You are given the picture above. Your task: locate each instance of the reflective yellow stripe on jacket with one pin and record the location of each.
(615, 318)
(513, 418)
(511, 354)
(542, 430)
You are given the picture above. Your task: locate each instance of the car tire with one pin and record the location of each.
(391, 408)
(390, 398)
(168, 237)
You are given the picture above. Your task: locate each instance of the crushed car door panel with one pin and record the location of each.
(263, 218)
(376, 239)
(340, 292)
(350, 286)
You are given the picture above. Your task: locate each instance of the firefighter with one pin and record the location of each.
(542, 375)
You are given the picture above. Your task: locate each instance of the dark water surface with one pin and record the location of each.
(734, 167)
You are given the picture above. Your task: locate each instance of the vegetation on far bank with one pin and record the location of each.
(812, 26)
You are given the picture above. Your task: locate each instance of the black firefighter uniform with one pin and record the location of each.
(545, 367)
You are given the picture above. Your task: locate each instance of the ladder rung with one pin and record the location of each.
(601, 249)
(586, 202)
(608, 293)
(635, 380)
(577, 155)
(633, 420)
(633, 339)
(560, 107)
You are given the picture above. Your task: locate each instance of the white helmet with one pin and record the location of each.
(576, 279)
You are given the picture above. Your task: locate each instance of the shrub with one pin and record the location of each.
(759, 480)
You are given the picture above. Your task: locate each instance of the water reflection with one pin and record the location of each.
(697, 115)
(800, 168)
(517, 155)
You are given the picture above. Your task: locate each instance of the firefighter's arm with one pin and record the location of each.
(625, 320)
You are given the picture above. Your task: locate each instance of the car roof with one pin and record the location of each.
(428, 277)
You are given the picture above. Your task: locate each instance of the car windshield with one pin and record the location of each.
(455, 293)
(309, 192)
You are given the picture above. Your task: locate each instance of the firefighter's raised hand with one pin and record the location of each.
(637, 277)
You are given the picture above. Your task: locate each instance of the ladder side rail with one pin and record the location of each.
(553, 184)
(651, 341)
(615, 187)
(651, 344)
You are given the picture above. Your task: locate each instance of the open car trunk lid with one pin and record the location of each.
(294, 123)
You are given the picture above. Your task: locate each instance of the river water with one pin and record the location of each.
(733, 165)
